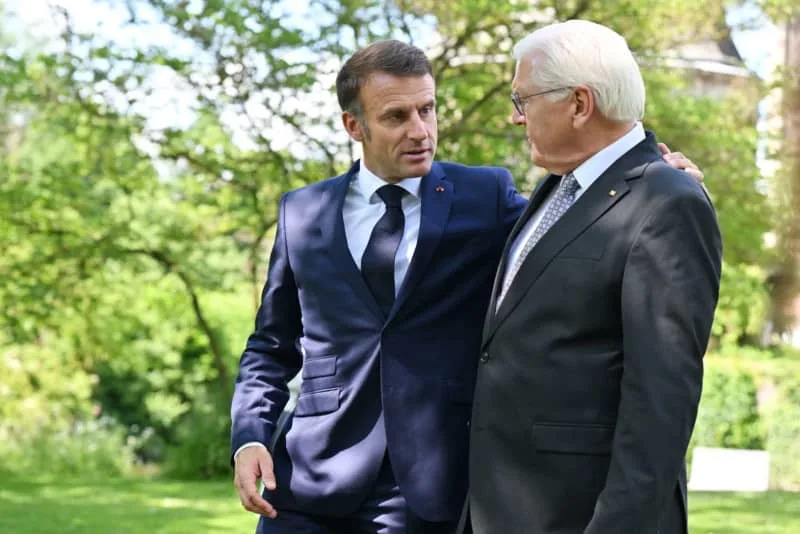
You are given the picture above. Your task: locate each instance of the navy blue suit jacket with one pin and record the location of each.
(370, 382)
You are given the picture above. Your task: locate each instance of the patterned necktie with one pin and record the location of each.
(561, 201)
(377, 263)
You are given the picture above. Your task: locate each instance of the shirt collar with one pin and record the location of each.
(368, 182)
(590, 170)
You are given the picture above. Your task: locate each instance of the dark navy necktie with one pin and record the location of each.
(377, 263)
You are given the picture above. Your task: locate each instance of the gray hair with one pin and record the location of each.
(579, 52)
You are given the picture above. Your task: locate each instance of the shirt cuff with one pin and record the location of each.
(247, 445)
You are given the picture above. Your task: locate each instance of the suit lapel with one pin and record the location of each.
(601, 196)
(436, 195)
(540, 193)
(334, 238)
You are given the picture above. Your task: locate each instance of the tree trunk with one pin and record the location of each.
(787, 277)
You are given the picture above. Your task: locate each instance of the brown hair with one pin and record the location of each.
(390, 56)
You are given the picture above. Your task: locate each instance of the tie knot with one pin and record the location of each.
(391, 195)
(569, 184)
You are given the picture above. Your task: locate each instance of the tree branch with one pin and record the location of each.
(214, 345)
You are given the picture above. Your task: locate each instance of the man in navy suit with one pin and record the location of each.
(377, 288)
(388, 350)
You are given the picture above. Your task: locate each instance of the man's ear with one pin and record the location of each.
(583, 105)
(353, 126)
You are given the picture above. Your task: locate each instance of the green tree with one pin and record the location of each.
(135, 237)
(786, 281)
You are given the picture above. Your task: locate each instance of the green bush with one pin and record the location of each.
(48, 425)
(783, 435)
(201, 445)
(728, 414)
(89, 449)
(749, 353)
(743, 304)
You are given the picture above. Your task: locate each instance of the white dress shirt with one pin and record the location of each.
(362, 209)
(586, 174)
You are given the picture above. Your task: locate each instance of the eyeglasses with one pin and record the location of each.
(518, 101)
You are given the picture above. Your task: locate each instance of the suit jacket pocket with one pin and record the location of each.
(317, 367)
(317, 402)
(572, 438)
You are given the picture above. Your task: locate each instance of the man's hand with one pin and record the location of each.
(251, 464)
(679, 161)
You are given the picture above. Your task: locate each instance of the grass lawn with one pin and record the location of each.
(122, 507)
(158, 507)
(744, 513)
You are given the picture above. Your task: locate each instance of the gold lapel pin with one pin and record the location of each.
(612, 193)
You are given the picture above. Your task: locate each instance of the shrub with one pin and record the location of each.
(201, 445)
(728, 414)
(783, 435)
(726, 417)
(48, 425)
(85, 448)
(743, 304)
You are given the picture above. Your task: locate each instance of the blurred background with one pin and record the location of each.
(144, 145)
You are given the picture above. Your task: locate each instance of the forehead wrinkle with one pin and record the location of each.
(390, 91)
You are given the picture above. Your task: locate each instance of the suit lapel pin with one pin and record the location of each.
(439, 189)
(612, 193)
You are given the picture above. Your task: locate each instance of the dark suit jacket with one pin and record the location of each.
(370, 382)
(591, 369)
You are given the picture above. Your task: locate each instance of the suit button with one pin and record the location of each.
(467, 423)
(484, 357)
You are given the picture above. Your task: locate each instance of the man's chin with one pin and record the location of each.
(419, 169)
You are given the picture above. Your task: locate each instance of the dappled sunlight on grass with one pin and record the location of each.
(170, 507)
(744, 513)
(119, 506)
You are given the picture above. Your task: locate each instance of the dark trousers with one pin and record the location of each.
(383, 512)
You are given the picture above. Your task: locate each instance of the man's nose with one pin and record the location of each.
(418, 129)
(517, 117)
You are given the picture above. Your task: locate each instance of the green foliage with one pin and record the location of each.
(48, 420)
(782, 419)
(86, 448)
(134, 247)
(34, 390)
(780, 10)
(719, 133)
(771, 356)
(109, 264)
(743, 304)
(728, 414)
(474, 70)
(201, 446)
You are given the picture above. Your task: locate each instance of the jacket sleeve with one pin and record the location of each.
(271, 357)
(511, 203)
(669, 293)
